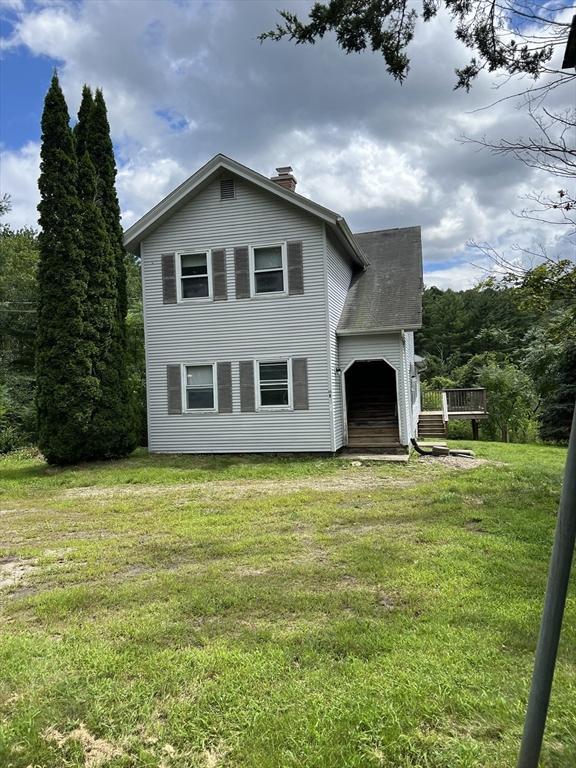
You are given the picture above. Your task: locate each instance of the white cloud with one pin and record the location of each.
(52, 31)
(19, 172)
(184, 81)
(144, 185)
(459, 277)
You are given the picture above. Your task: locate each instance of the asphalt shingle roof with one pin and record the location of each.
(388, 293)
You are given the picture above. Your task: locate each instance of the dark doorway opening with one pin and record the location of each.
(372, 405)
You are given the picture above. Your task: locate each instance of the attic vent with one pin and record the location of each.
(227, 191)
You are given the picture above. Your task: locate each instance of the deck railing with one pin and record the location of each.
(431, 400)
(454, 401)
(472, 400)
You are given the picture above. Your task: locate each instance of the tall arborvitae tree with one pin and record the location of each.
(64, 383)
(113, 428)
(99, 145)
(101, 322)
(82, 126)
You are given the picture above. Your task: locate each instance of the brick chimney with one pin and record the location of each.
(285, 178)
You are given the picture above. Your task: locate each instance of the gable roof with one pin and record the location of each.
(182, 194)
(387, 295)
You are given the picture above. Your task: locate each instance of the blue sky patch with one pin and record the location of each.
(175, 121)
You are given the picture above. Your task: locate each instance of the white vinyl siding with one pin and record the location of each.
(389, 347)
(268, 327)
(414, 382)
(339, 276)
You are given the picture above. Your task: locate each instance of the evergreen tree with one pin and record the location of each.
(82, 126)
(558, 407)
(101, 322)
(65, 386)
(113, 429)
(99, 145)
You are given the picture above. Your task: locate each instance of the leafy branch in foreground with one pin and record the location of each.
(516, 37)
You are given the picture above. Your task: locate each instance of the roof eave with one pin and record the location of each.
(373, 331)
(351, 241)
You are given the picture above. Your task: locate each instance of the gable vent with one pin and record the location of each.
(227, 190)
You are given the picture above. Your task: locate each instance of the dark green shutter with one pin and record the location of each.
(169, 295)
(174, 388)
(219, 284)
(300, 383)
(242, 272)
(295, 268)
(224, 374)
(247, 398)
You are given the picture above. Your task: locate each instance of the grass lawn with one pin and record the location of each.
(271, 613)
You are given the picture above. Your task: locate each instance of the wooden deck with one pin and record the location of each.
(438, 408)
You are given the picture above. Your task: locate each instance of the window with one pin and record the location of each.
(268, 269)
(273, 384)
(194, 280)
(199, 387)
(227, 190)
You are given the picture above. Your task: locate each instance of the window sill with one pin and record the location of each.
(198, 300)
(267, 408)
(269, 295)
(194, 411)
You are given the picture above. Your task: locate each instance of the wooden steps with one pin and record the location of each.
(431, 425)
(371, 408)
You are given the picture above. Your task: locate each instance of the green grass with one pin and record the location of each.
(273, 613)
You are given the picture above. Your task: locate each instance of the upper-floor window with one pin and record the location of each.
(195, 275)
(199, 387)
(274, 384)
(268, 269)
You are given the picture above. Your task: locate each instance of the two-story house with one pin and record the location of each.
(269, 326)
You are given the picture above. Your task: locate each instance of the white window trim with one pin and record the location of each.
(185, 408)
(259, 406)
(284, 292)
(179, 255)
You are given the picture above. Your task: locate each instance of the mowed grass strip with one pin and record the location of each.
(265, 612)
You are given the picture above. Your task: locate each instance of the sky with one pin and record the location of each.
(187, 79)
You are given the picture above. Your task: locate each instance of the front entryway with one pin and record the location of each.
(372, 405)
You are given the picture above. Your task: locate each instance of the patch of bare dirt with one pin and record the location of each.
(213, 756)
(96, 751)
(234, 489)
(455, 462)
(13, 570)
(241, 571)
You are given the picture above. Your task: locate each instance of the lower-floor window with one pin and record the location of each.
(274, 388)
(199, 387)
